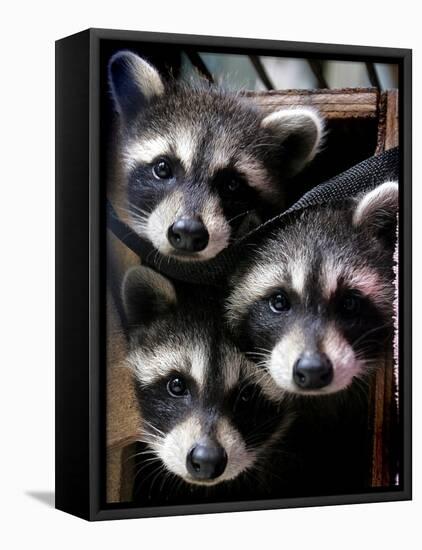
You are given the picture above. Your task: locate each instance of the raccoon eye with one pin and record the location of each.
(246, 394)
(229, 182)
(351, 304)
(177, 387)
(162, 170)
(233, 184)
(279, 302)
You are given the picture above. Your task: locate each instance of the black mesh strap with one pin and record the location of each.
(362, 176)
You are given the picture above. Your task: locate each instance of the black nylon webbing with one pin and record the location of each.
(362, 176)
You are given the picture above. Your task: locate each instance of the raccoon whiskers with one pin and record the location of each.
(256, 354)
(158, 468)
(238, 216)
(265, 350)
(374, 329)
(134, 210)
(257, 432)
(154, 474)
(141, 453)
(158, 431)
(167, 476)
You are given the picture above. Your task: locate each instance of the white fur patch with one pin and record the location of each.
(185, 147)
(365, 280)
(345, 363)
(180, 143)
(298, 273)
(160, 219)
(258, 178)
(218, 229)
(145, 151)
(253, 287)
(174, 447)
(369, 283)
(283, 358)
(330, 275)
(199, 359)
(232, 367)
(150, 365)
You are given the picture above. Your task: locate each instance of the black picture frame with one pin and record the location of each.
(80, 281)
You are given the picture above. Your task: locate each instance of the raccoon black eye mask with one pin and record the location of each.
(199, 167)
(314, 306)
(201, 400)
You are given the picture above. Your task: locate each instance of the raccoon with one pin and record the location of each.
(314, 306)
(196, 167)
(206, 419)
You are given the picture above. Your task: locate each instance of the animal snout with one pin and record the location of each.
(188, 234)
(313, 371)
(206, 460)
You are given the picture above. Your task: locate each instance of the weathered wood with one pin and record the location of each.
(388, 121)
(392, 130)
(384, 409)
(122, 414)
(333, 104)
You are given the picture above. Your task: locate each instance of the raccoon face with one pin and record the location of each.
(201, 167)
(205, 418)
(315, 309)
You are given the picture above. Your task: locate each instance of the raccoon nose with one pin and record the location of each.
(188, 234)
(206, 461)
(313, 371)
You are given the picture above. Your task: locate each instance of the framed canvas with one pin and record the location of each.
(233, 277)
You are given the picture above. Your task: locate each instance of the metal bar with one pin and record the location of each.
(199, 64)
(373, 76)
(262, 73)
(317, 69)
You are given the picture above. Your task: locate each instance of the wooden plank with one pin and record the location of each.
(123, 418)
(388, 125)
(392, 130)
(334, 104)
(384, 412)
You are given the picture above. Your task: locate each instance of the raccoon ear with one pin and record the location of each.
(377, 209)
(299, 133)
(133, 83)
(146, 294)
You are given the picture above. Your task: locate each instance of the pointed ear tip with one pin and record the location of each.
(115, 59)
(122, 55)
(386, 192)
(383, 197)
(391, 187)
